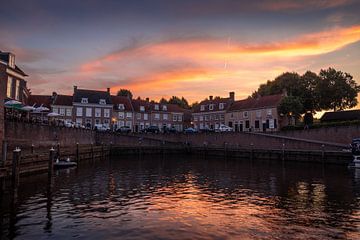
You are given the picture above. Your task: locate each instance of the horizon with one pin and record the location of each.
(158, 49)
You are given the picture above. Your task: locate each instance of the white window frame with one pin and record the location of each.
(106, 112)
(68, 112)
(157, 116)
(97, 112)
(62, 111)
(211, 107)
(202, 108)
(164, 108)
(121, 106)
(121, 115)
(221, 106)
(142, 108)
(165, 116)
(84, 100)
(146, 116)
(79, 111)
(102, 101)
(88, 112)
(129, 115)
(156, 107)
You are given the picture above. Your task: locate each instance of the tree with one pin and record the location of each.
(336, 90)
(292, 107)
(125, 93)
(182, 102)
(163, 101)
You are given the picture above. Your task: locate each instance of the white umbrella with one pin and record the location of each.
(12, 103)
(53, 114)
(28, 108)
(41, 109)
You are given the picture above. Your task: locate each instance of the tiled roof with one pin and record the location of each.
(63, 100)
(254, 103)
(93, 96)
(136, 103)
(216, 101)
(341, 116)
(39, 100)
(116, 100)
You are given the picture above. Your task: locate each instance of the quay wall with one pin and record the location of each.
(3, 80)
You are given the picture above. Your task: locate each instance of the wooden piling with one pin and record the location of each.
(58, 150)
(15, 168)
(77, 153)
(51, 164)
(32, 149)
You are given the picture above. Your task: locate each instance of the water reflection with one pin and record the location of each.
(180, 197)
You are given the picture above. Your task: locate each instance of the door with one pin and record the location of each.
(241, 128)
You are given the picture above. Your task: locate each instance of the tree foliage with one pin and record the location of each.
(330, 89)
(182, 102)
(125, 93)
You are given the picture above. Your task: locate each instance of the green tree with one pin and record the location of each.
(125, 93)
(292, 107)
(336, 90)
(163, 101)
(182, 102)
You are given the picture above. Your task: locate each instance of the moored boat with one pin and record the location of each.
(66, 163)
(355, 149)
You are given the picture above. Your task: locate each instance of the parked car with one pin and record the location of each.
(190, 130)
(68, 124)
(224, 128)
(124, 129)
(101, 128)
(170, 130)
(207, 130)
(152, 129)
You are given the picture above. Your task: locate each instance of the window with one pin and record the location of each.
(202, 108)
(247, 124)
(106, 122)
(157, 116)
(142, 108)
(257, 124)
(211, 107)
(146, 116)
(245, 114)
(9, 87)
(206, 117)
(121, 115)
(258, 113)
(128, 115)
(222, 117)
(107, 113)
(55, 110)
(164, 108)
(201, 118)
(128, 123)
(79, 111)
(97, 112)
(121, 106)
(102, 101)
(156, 106)
(221, 105)
(179, 118)
(165, 116)
(269, 112)
(84, 100)
(138, 116)
(17, 89)
(195, 119)
(62, 111)
(89, 112)
(97, 121)
(174, 118)
(68, 112)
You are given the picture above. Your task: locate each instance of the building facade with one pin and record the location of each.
(167, 116)
(13, 78)
(141, 114)
(255, 114)
(122, 112)
(210, 113)
(92, 107)
(63, 105)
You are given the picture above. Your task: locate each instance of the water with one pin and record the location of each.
(187, 198)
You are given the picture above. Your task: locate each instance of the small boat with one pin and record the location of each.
(66, 163)
(355, 149)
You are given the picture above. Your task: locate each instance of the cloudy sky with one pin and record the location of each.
(160, 48)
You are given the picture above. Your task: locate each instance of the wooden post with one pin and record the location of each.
(51, 165)
(32, 149)
(323, 153)
(283, 152)
(92, 151)
(4, 153)
(77, 153)
(15, 168)
(58, 150)
(252, 152)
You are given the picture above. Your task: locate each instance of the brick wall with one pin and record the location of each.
(3, 79)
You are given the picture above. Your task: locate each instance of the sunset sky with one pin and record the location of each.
(160, 48)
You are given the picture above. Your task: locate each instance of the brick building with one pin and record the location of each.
(92, 107)
(142, 114)
(122, 112)
(210, 113)
(167, 116)
(255, 114)
(63, 105)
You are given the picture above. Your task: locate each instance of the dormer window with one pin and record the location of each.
(221, 105)
(211, 107)
(121, 106)
(164, 108)
(142, 108)
(156, 106)
(202, 108)
(84, 100)
(102, 101)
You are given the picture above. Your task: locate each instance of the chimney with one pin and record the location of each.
(108, 90)
(75, 88)
(232, 95)
(147, 99)
(211, 98)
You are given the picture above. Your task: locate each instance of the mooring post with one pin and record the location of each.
(51, 165)
(15, 167)
(32, 149)
(58, 150)
(4, 153)
(163, 147)
(323, 153)
(77, 153)
(283, 152)
(252, 151)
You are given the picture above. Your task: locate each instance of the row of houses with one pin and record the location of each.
(92, 107)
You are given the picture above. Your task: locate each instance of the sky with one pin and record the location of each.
(161, 48)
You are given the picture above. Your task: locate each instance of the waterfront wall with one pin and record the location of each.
(3, 80)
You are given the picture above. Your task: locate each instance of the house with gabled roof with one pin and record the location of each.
(122, 112)
(255, 114)
(210, 113)
(63, 105)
